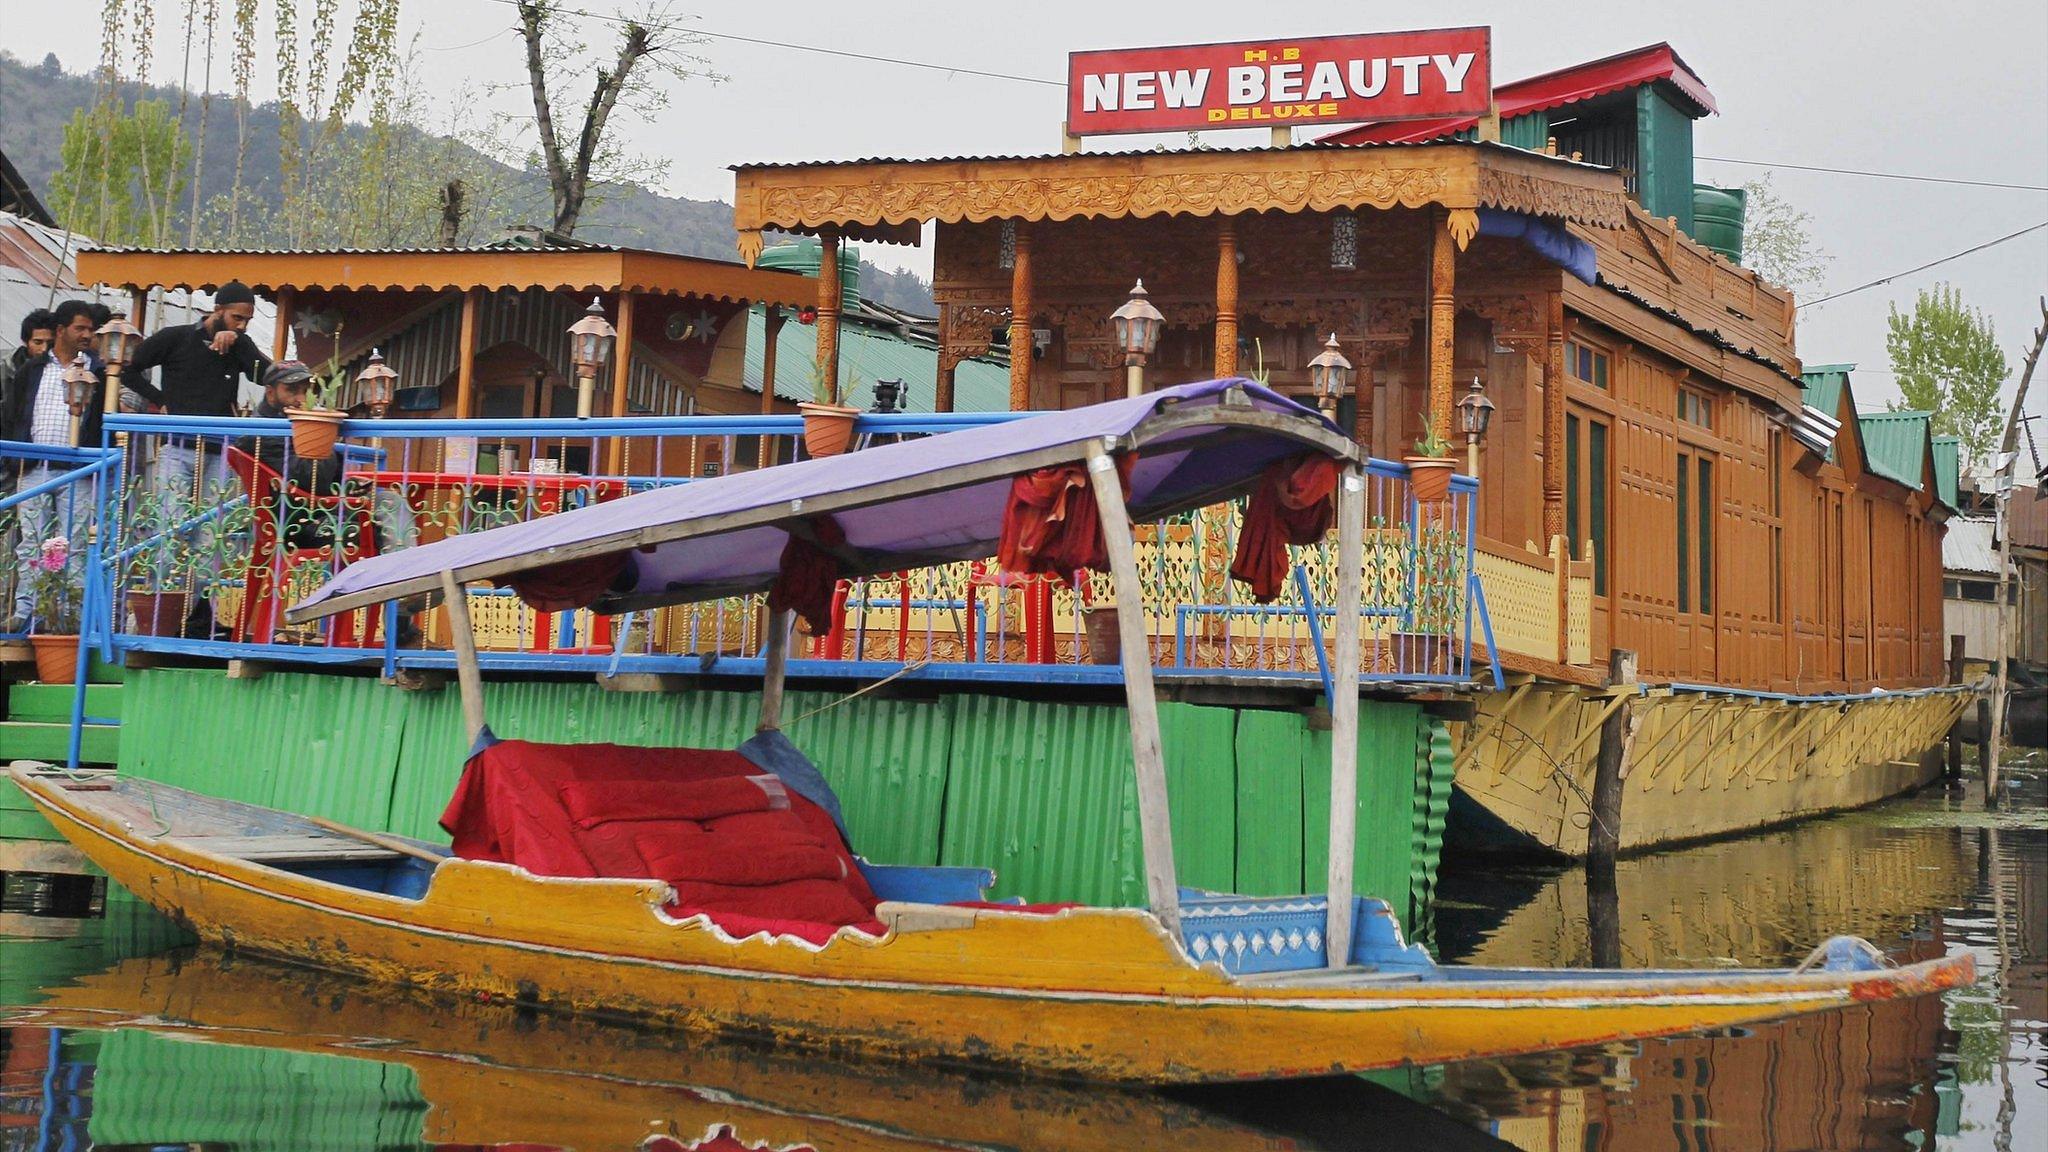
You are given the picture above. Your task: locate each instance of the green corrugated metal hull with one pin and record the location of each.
(1041, 791)
(150, 1090)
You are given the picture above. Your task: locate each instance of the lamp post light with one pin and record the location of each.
(79, 388)
(1137, 326)
(376, 383)
(1329, 374)
(117, 343)
(590, 345)
(1475, 412)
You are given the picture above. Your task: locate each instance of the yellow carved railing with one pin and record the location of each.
(1541, 605)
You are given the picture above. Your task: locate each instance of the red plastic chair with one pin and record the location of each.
(273, 558)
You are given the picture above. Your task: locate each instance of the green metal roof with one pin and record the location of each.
(865, 356)
(1895, 444)
(1948, 462)
(1823, 384)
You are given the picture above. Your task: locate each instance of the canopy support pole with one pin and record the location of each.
(777, 651)
(468, 675)
(1344, 716)
(1155, 824)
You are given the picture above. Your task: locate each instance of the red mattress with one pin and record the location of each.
(730, 840)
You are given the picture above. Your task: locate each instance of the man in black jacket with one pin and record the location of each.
(36, 410)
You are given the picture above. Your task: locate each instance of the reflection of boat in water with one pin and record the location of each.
(294, 1048)
(1848, 1079)
(1757, 900)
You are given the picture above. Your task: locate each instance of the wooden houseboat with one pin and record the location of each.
(1660, 479)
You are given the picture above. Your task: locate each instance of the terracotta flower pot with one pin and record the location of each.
(158, 613)
(828, 428)
(1429, 477)
(314, 431)
(56, 658)
(1105, 635)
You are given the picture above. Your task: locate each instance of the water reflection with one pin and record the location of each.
(122, 1037)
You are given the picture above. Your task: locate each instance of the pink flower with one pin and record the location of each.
(55, 551)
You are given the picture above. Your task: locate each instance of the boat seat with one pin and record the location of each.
(906, 917)
(308, 848)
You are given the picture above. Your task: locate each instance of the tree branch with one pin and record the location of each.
(638, 44)
(532, 27)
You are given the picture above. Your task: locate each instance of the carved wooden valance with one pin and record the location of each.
(889, 199)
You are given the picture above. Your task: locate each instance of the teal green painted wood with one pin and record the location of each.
(1201, 787)
(1663, 157)
(52, 702)
(1043, 793)
(1386, 788)
(1531, 131)
(51, 741)
(151, 1090)
(1269, 809)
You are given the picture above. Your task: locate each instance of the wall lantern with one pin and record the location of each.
(1329, 374)
(1475, 413)
(376, 384)
(590, 345)
(1137, 326)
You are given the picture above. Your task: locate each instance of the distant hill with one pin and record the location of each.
(38, 100)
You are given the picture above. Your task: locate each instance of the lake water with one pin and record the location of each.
(112, 1035)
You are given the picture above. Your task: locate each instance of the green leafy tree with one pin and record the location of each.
(1777, 239)
(1948, 362)
(112, 181)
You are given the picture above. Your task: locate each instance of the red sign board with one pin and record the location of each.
(1280, 83)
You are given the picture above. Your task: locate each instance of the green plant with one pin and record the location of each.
(53, 585)
(1431, 444)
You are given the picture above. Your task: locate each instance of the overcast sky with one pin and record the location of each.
(1957, 91)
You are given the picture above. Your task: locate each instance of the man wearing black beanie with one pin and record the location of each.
(201, 365)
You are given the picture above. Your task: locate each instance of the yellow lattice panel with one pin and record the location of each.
(1521, 601)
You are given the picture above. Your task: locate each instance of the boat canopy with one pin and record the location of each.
(900, 506)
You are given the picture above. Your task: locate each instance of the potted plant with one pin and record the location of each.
(159, 577)
(316, 427)
(828, 428)
(56, 596)
(1429, 470)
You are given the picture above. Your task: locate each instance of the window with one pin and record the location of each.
(1695, 408)
(1695, 533)
(1775, 466)
(1586, 364)
(1983, 591)
(1585, 492)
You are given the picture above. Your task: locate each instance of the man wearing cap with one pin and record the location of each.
(201, 364)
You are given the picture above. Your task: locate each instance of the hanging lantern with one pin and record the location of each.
(1329, 374)
(590, 341)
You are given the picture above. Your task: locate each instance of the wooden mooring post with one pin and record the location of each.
(1603, 833)
(1955, 731)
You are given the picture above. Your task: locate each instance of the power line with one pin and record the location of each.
(1878, 175)
(1929, 264)
(840, 52)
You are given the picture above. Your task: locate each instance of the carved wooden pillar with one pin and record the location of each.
(622, 379)
(1361, 396)
(1020, 322)
(1226, 297)
(829, 295)
(280, 336)
(1443, 318)
(465, 356)
(1553, 420)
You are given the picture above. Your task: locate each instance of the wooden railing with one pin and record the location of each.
(1541, 603)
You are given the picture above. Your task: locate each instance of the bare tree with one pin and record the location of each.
(650, 49)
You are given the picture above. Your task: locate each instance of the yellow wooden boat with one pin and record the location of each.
(1193, 987)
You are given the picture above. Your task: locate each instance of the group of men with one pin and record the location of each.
(199, 370)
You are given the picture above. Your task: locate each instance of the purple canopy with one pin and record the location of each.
(901, 506)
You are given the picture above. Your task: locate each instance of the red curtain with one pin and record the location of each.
(570, 584)
(1291, 505)
(808, 574)
(1051, 525)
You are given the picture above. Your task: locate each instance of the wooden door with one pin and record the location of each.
(1588, 498)
(1698, 596)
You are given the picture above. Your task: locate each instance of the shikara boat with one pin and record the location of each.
(1194, 987)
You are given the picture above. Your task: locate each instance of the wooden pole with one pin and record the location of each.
(1155, 823)
(1344, 716)
(830, 293)
(622, 379)
(777, 652)
(465, 358)
(1226, 297)
(280, 338)
(468, 675)
(1603, 835)
(1955, 734)
(1553, 421)
(1443, 319)
(1020, 322)
(771, 335)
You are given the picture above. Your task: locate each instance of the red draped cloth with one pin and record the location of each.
(809, 574)
(570, 584)
(1291, 505)
(1051, 524)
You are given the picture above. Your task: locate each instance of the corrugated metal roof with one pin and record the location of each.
(1895, 445)
(1823, 385)
(1303, 146)
(1948, 452)
(866, 356)
(1970, 546)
